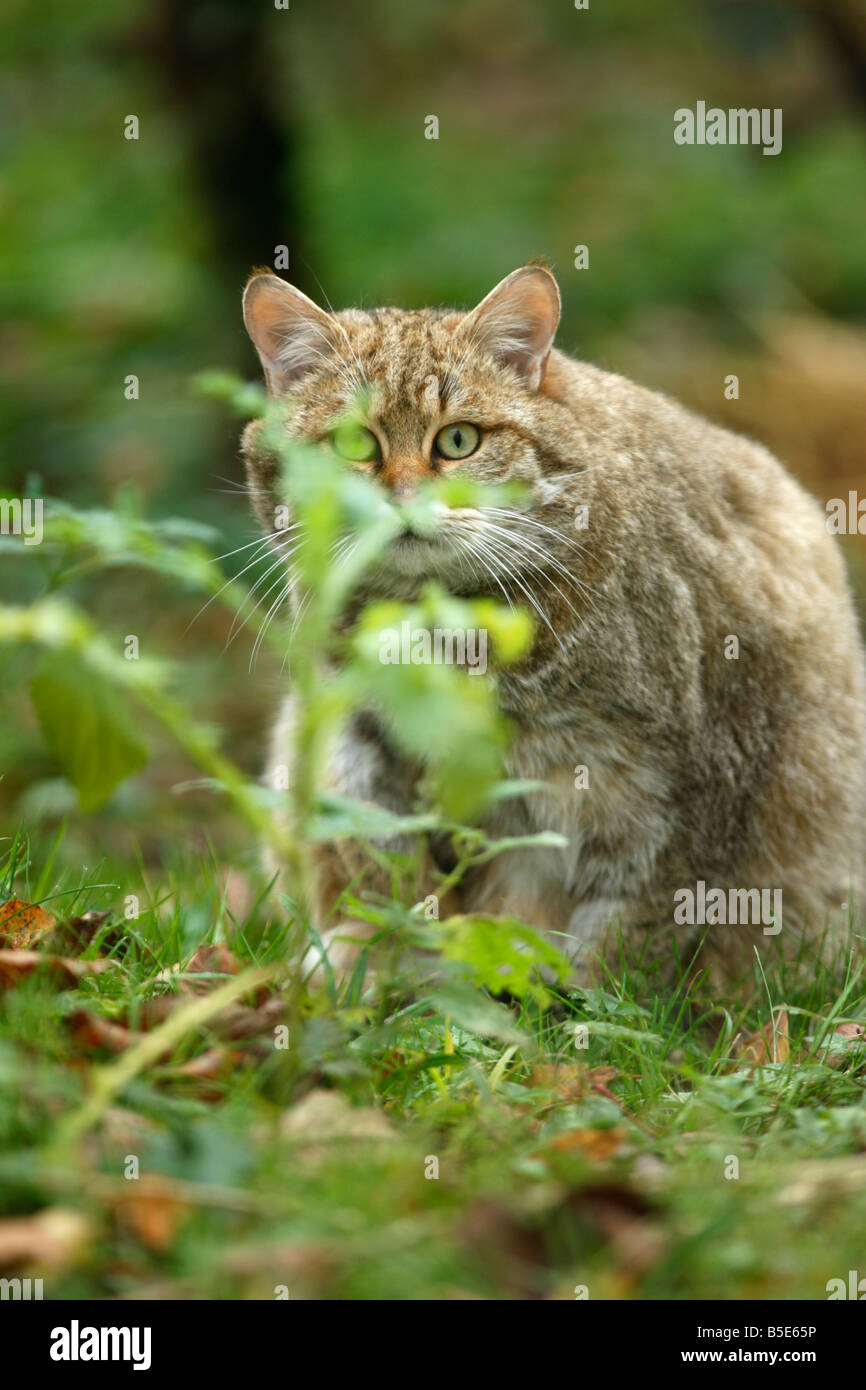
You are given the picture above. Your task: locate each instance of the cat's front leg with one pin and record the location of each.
(361, 766)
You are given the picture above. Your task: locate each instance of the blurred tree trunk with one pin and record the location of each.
(214, 59)
(843, 24)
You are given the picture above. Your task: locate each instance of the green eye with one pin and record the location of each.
(355, 443)
(457, 441)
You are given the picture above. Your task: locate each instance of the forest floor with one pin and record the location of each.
(165, 1133)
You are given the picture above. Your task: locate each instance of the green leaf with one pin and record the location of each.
(86, 726)
(244, 397)
(342, 817)
(502, 953)
(483, 1017)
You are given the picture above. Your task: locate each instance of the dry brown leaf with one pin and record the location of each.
(205, 1076)
(75, 934)
(91, 1031)
(853, 1031)
(210, 961)
(17, 965)
(238, 1022)
(153, 1211)
(213, 960)
(840, 1058)
(770, 1044)
(212, 1065)
(595, 1144)
(152, 1012)
(235, 1023)
(601, 1076)
(206, 960)
(623, 1218)
(567, 1081)
(154, 1220)
(51, 1239)
(571, 1081)
(22, 923)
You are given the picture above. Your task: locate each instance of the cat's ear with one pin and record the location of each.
(290, 332)
(517, 321)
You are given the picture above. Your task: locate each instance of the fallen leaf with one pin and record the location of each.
(205, 1076)
(769, 1044)
(51, 1239)
(853, 1031)
(22, 923)
(622, 1217)
(75, 934)
(90, 1031)
(595, 1144)
(208, 960)
(235, 1023)
(571, 1081)
(153, 1211)
(214, 960)
(152, 1012)
(238, 1022)
(17, 965)
(842, 1048)
(209, 1066)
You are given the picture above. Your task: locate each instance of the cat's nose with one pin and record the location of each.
(401, 476)
(403, 492)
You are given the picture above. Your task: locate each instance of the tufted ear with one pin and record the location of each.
(517, 321)
(290, 332)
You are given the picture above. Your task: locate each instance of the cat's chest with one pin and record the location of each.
(602, 794)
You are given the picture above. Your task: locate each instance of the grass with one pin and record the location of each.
(307, 1171)
(558, 1166)
(182, 1117)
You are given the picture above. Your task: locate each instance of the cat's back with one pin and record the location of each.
(660, 473)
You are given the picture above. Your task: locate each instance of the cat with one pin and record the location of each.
(694, 699)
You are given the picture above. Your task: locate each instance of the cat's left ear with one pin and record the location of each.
(517, 320)
(290, 332)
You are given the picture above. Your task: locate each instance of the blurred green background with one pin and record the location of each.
(304, 127)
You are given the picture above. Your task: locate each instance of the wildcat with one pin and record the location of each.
(697, 649)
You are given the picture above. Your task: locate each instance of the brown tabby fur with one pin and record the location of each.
(745, 773)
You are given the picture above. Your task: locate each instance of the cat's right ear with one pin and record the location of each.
(517, 321)
(289, 331)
